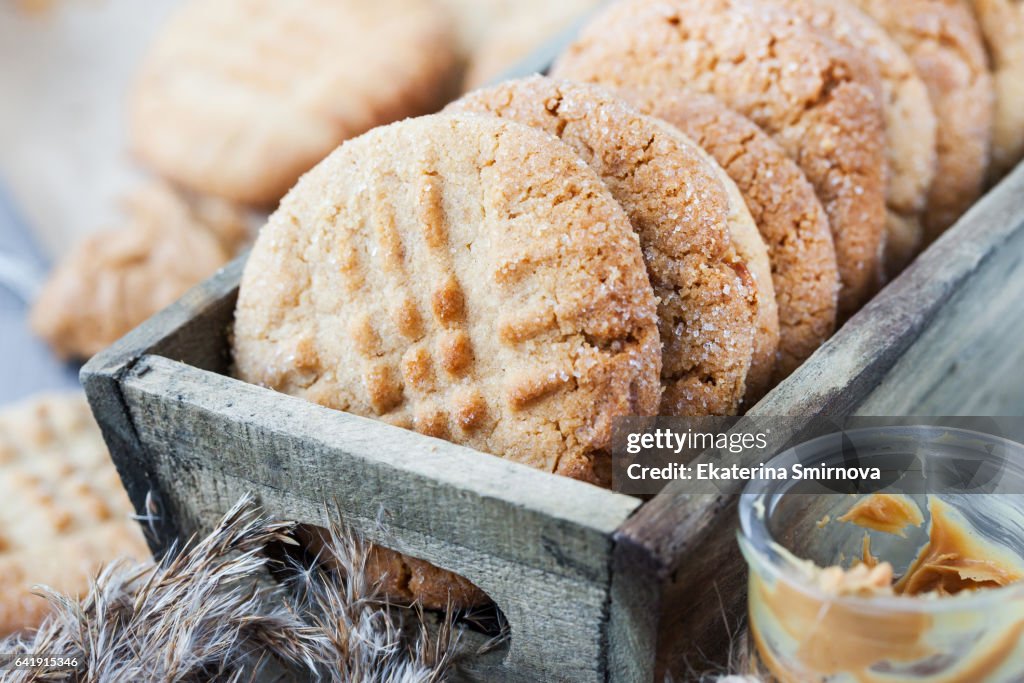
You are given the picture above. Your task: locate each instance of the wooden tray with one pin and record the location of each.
(595, 585)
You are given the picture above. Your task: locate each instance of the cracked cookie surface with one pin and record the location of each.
(944, 41)
(769, 65)
(786, 210)
(910, 121)
(707, 264)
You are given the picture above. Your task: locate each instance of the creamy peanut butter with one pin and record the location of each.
(888, 513)
(956, 560)
(865, 624)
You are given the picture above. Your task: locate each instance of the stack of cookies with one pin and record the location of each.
(670, 224)
(237, 98)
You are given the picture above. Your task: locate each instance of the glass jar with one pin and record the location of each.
(803, 630)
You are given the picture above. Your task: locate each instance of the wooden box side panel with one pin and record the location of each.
(539, 545)
(970, 358)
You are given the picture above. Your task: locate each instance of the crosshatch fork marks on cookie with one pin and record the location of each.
(534, 370)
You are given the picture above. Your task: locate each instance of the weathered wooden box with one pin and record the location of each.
(595, 585)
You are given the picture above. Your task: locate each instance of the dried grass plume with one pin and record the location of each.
(208, 611)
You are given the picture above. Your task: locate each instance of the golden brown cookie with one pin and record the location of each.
(910, 122)
(401, 578)
(698, 238)
(407, 580)
(64, 513)
(1002, 25)
(944, 42)
(238, 98)
(787, 212)
(768, 64)
(463, 276)
(115, 279)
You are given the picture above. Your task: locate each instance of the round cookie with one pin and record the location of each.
(238, 98)
(768, 64)
(910, 123)
(115, 279)
(944, 42)
(787, 212)
(463, 276)
(1002, 25)
(695, 236)
(65, 514)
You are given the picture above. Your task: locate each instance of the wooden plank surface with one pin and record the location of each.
(942, 339)
(539, 545)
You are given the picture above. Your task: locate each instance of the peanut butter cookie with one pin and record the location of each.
(463, 276)
(787, 212)
(115, 279)
(910, 122)
(1002, 25)
(769, 65)
(238, 98)
(64, 512)
(944, 41)
(698, 239)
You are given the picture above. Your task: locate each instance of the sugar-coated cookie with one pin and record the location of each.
(944, 41)
(463, 276)
(698, 238)
(769, 65)
(910, 122)
(784, 206)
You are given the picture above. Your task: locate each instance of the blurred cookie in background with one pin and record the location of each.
(238, 98)
(516, 33)
(1002, 25)
(117, 278)
(65, 512)
(944, 41)
(476, 19)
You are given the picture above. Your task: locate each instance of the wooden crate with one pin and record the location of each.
(596, 586)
